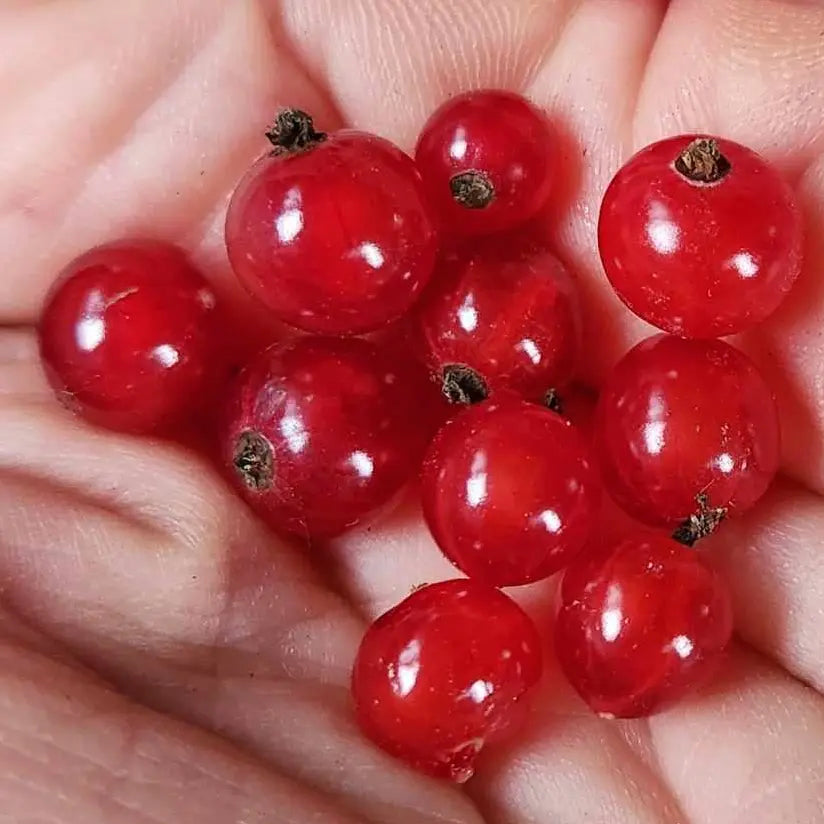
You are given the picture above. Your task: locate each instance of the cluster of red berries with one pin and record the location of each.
(343, 234)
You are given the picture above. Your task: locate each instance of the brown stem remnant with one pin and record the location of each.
(254, 460)
(702, 162)
(462, 384)
(700, 524)
(473, 190)
(294, 131)
(553, 402)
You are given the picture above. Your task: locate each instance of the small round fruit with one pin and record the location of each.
(321, 432)
(331, 232)
(130, 338)
(501, 317)
(488, 160)
(682, 418)
(509, 492)
(641, 624)
(700, 236)
(444, 672)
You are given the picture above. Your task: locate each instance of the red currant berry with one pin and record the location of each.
(497, 318)
(700, 236)
(641, 624)
(321, 432)
(488, 160)
(331, 233)
(682, 418)
(444, 672)
(129, 337)
(509, 492)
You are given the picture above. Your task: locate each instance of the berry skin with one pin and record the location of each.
(130, 337)
(331, 233)
(444, 672)
(501, 317)
(700, 236)
(678, 418)
(321, 432)
(488, 161)
(641, 624)
(509, 492)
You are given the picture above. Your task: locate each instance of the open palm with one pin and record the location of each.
(162, 656)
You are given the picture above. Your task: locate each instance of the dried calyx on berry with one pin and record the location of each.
(253, 460)
(462, 384)
(702, 162)
(553, 402)
(701, 523)
(472, 189)
(294, 131)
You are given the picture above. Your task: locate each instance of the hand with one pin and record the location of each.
(164, 658)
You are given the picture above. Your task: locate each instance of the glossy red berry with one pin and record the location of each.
(488, 160)
(130, 338)
(331, 232)
(678, 418)
(640, 625)
(509, 492)
(700, 236)
(501, 317)
(321, 432)
(444, 672)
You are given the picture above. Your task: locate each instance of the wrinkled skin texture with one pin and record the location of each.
(164, 658)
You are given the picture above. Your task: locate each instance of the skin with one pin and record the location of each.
(164, 658)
